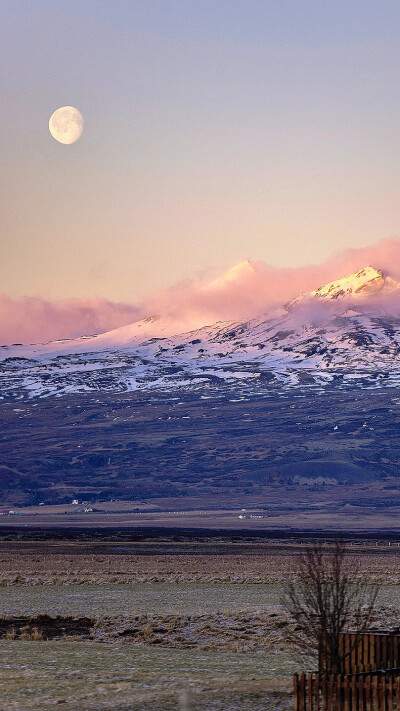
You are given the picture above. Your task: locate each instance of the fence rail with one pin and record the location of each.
(358, 692)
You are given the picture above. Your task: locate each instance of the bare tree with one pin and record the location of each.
(326, 598)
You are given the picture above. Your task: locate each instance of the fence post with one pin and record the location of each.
(331, 693)
(347, 659)
(296, 692)
(375, 692)
(390, 694)
(353, 654)
(342, 651)
(324, 694)
(383, 693)
(361, 692)
(384, 652)
(346, 693)
(365, 652)
(353, 683)
(316, 692)
(398, 693)
(368, 694)
(302, 693)
(390, 651)
(310, 692)
(372, 651)
(339, 695)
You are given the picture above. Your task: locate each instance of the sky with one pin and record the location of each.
(215, 131)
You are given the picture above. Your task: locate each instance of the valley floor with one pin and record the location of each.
(105, 623)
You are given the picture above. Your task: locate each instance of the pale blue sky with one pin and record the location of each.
(214, 131)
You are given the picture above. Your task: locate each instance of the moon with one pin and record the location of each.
(66, 124)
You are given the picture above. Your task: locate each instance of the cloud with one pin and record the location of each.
(246, 290)
(32, 320)
(251, 288)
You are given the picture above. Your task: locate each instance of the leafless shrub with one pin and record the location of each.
(25, 633)
(29, 634)
(327, 598)
(36, 635)
(148, 631)
(11, 634)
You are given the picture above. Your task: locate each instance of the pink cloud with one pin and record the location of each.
(254, 287)
(246, 290)
(32, 320)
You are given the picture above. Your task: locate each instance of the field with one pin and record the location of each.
(92, 677)
(135, 624)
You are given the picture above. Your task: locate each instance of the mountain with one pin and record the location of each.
(239, 273)
(342, 334)
(279, 411)
(367, 282)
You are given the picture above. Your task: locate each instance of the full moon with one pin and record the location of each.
(66, 124)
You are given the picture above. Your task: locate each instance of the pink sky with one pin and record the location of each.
(249, 290)
(214, 130)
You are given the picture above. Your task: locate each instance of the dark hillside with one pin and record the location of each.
(127, 446)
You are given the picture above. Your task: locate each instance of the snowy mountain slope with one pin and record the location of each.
(366, 282)
(340, 335)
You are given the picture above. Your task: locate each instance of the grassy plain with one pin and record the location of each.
(92, 676)
(133, 624)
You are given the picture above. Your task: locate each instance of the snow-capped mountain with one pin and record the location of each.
(240, 271)
(365, 283)
(342, 334)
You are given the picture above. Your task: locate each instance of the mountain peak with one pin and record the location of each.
(366, 282)
(238, 273)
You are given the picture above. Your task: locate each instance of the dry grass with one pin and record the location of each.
(203, 619)
(238, 632)
(11, 633)
(69, 563)
(96, 677)
(26, 633)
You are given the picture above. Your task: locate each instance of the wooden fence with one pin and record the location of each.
(366, 652)
(379, 691)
